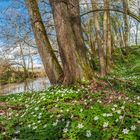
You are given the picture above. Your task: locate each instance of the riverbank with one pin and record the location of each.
(30, 85)
(17, 76)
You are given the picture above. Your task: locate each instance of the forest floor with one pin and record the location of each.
(103, 109)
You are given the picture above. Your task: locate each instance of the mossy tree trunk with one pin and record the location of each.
(50, 62)
(71, 43)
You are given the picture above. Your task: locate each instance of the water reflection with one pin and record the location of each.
(27, 86)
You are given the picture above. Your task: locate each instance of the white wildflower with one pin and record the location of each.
(122, 107)
(37, 108)
(63, 120)
(99, 101)
(10, 113)
(104, 114)
(72, 116)
(133, 127)
(58, 116)
(29, 125)
(113, 109)
(67, 124)
(105, 124)
(119, 97)
(109, 114)
(125, 131)
(17, 115)
(40, 114)
(80, 125)
(138, 97)
(55, 123)
(33, 124)
(81, 110)
(3, 133)
(17, 132)
(32, 113)
(88, 133)
(90, 100)
(35, 127)
(45, 126)
(116, 120)
(124, 102)
(121, 117)
(119, 111)
(14, 138)
(138, 103)
(65, 130)
(96, 118)
(126, 98)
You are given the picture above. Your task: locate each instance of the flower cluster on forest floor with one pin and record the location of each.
(69, 113)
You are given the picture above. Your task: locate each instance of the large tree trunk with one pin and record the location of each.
(75, 20)
(126, 28)
(50, 62)
(98, 39)
(68, 28)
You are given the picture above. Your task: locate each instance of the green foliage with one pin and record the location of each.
(69, 113)
(125, 75)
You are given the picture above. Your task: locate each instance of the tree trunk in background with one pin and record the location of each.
(50, 62)
(126, 28)
(70, 40)
(23, 62)
(107, 35)
(105, 29)
(136, 36)
(109, 47)
(98, 39)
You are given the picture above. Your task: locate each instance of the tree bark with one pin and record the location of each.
(50, 62)
(82, 51)
(107, 35)
(136, 35)
(99, 41)
(68, 29)
(126, 28)
(109, 46)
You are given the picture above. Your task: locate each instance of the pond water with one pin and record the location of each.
(27, 86)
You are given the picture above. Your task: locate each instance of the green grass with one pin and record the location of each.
(103, 110)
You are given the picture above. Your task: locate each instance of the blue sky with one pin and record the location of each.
(4, 4)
